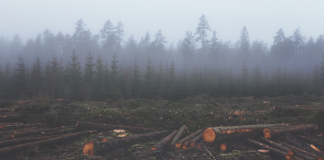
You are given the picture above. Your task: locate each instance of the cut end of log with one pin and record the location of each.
(13, 135)
(178, 145)
(153, 148)
(288, 157)
(104, 140)
(192, 144)
(291, 153)
(223, 147)
(88, 148)
(183, 147)
(209, 135)
(320, 158)
(199, 146)
(266, 133)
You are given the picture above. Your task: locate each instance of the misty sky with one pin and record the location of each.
(174, 17)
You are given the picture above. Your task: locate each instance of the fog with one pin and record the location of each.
(235, 38)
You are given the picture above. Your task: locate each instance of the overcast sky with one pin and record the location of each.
(174, 17)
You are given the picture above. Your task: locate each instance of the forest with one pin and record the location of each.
(107, 67)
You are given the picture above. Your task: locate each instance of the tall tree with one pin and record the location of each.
(159, 42)
(36, 77)
(214, 46)
(144, 44)
(108, 38)
(119, 33)
(245, 43)
(202, 29)
(100, 81)
(88, 77)
(74, 76)
(20, 77)
(136, 85)
(149, 79)
(114, 83)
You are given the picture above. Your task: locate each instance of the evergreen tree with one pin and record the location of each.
(20, 77)
(36, 77)
(144, 45)
(100, 81)
(149, 80)
(214, 47)
(88, 77)
(136, 85)
(119, 33)
(257, 81)
(114, 83)
(244, 80)
(160, 81)
(202, 29)
(245, 43)
(159, 43)
(170, 87)
(74, 78)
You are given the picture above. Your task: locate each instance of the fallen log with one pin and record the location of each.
(301, 152)
(211, 135)
(9, 116)
(12, 142)
(309, 140)
(277, 131)
(201, 144)
(16, 126)
(188, 138)
(271, 149)
(8, 150)
(260, 112)
(296, 107)
(47, 131)
(96, 148)
(195, 141)
(4, 109)
(108, 127)
(178, 135)
(164, 142)
(279, 146)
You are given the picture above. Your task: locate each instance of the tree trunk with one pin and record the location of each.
(164, 142)
(47, 131)
(280, 146)
(12, 142)
(15, 126)
(96, 148)
(178, 135)
(296, 107)
(7, 150)
(195, 141)
(309, 140)
(302, 151)
(9, 116)
(277, 131)
(217, 134)
(273, 150)
(188, 138)
(4, 109)
(108, 127)
(201, 144)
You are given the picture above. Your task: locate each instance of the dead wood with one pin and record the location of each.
(8, 150)
(12, 142)
(195, 141)
(188, 138)
(279, 146)
(223, 146)
(296, 107)
(277, 131)
(9, 116)
(47, 131)
(273, 150)
(217, 134)
(178, 135)
(4, 109)
(18, 125)
(309, 140)
(108, 127)
(164, 142)
(300, 152)
(96, 148)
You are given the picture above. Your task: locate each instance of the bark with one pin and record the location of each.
(217, 134)
(8, 150)
(277, 131)
(164, 142)
(271, 149)
(296, 107)
(4, 109)
(9, 116)
(47, 131)
(280, 146)
(196, 140)
(12, 142)
(108, 127)
(301, 153)
(309, 140)
(96, 148)
(188, 138)
(15, 126)
(178, 135)
(260, 112)
(201, 144)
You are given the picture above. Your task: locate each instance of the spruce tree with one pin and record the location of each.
(114, 79)
(74, 78)
(20, 77)
(100, 81)
(36, 77)
(202, 29)
(136, 85)
(88, 77)
(244, 80)
(256, 81)
(149, 80)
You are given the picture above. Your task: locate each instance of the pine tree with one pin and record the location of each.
(171, 82)
(136, 85)
(202, 29)
(114, 83)
(20, 77)
(244, 80)
(245, 43)
(256, 81)
(74, 78)
(149, 80)
(36, 77)
(100, 81)
(88, 77)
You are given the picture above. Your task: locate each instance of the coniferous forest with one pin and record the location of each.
(108, 66)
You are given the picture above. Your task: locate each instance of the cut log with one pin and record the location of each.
(178, 135)
(296, 107)
(301, 153)
(8, 150)
(273, 150)
(201, 144)
(195, 141)
(313, 141)
(9, 116)
(211, 135)
(12, 142)
(260, 112)
(4, 110)
(15, 126)
(96, 148)
(47, 131)
(188, 138)
(108, 127)
(164, 142)
(279, 146)
(223, 146)
(277, 131)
